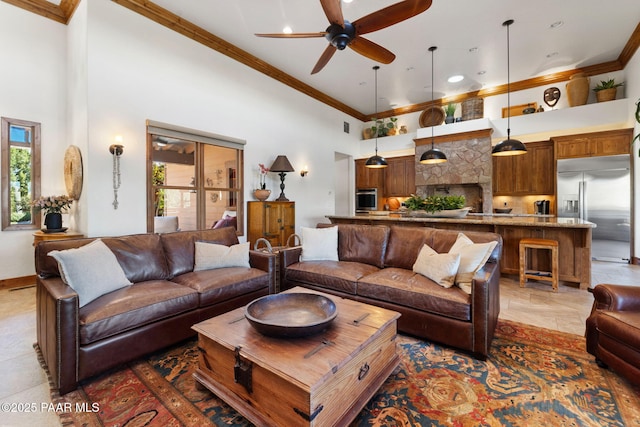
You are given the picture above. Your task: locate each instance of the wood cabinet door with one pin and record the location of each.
(368, 177)
(571, 148)
(503, 182)
(410, 175)
(288, 224)
(613, 143)
(543, 168)
(523, 171)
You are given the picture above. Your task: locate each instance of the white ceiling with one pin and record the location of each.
(468, 33)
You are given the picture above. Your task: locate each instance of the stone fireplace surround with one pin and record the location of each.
(468, 170)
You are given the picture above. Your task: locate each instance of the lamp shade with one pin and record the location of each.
(376, 162)
(509, 147)
(433, 156)
(281, 164)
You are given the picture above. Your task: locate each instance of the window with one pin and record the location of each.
(194, 179)
(20, 173)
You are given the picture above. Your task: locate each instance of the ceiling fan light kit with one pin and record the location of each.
(341, 33)
(508, 147)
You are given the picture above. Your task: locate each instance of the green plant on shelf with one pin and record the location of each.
(607, 84)
(434, 203)
(450, 109)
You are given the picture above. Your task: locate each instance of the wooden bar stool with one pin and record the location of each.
(549, 276)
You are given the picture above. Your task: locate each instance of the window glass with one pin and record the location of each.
(20, 173)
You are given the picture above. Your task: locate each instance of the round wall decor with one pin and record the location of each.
(73, 171)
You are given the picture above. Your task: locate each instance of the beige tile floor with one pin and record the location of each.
(23, 382)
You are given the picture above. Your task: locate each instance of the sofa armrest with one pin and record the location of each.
(58, 330)
(290, 255)
(485, 307)
(616, 297)
(266, 262)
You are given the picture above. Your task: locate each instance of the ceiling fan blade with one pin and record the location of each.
(292, 35)
(324, 59)
(390, 15)
(333, 11)
(372, 50)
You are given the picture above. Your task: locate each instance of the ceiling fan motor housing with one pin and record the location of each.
(340, 37)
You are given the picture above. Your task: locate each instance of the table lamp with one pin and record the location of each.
(282, 166)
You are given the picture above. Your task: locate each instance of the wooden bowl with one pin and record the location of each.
(291, 315)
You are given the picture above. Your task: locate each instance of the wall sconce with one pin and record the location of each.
(116, 151)
(304, 171)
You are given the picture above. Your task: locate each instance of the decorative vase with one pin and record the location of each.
(578, 89)
(606, 94)
(53, 221)
(261, 195)
(449, 119)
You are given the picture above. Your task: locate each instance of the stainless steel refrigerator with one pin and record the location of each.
(598, 189)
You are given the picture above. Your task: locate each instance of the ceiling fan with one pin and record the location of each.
(342, 33)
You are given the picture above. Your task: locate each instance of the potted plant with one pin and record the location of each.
(449, 111)
(437, 206)
(262, 193)
(380, 128)
(52, 206)
(607, 90)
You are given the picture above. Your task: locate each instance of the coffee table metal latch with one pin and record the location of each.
(242, 372)
(309, 417)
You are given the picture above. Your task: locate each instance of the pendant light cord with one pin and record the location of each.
(508, 24)
(432, 49)
(375, 101)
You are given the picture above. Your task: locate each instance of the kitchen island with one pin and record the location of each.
(573, 236)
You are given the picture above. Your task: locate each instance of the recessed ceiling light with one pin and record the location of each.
(287, 30)
(556, 24)
(473, 49)
(410, 68)
(455, 79)
(552, 54)
(347, 1)
(481, 72)
(362, 83)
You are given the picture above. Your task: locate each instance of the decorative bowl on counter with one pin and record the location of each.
(291, 315)
(502, 210)
(449, 213)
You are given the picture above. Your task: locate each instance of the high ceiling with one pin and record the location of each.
(549, 38)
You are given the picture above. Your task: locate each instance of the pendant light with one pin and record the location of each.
(509, 147)
(376, 162)
(433, 155)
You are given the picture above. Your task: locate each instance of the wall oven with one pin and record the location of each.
(366, 200)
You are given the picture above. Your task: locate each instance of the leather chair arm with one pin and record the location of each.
(616, 297)
(290, 255)
(266, 262)
(485, 305)
(58, 329)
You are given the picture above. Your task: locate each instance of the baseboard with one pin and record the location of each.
(18, 282)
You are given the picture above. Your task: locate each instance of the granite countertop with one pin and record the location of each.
(492, 219)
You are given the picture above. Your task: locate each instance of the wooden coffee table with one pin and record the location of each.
(321, 380)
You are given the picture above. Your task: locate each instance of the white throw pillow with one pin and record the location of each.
(319, 244)
(212, 255)
(441, 268)
(91, 270)
(473, 256)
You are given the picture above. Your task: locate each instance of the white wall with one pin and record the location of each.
(138, 70)
(33, 87)
(633, 96)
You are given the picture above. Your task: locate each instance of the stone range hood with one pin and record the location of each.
(468, 170)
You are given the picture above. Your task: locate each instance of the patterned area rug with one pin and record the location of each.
(533, 377)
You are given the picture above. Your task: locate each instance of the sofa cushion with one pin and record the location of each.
(473, 256)
(404, 287)
(620, 329)
(210, 256)
(404, 245)
(341, 276)
(180, 247)
(362, 243)
(441, 268)
(140, 255)
(134, 306)
(215, 286)
(91, 270)
(319, 244)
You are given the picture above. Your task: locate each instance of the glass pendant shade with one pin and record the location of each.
(376, 162)
(508, 147)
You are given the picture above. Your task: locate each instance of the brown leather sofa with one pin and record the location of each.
(166, 298)
(613, 329)
(375, 267)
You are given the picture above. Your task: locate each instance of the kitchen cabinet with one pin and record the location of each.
(527, 174)
(400, 177)
(605, 143)
(274, 221)
(369, 177)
